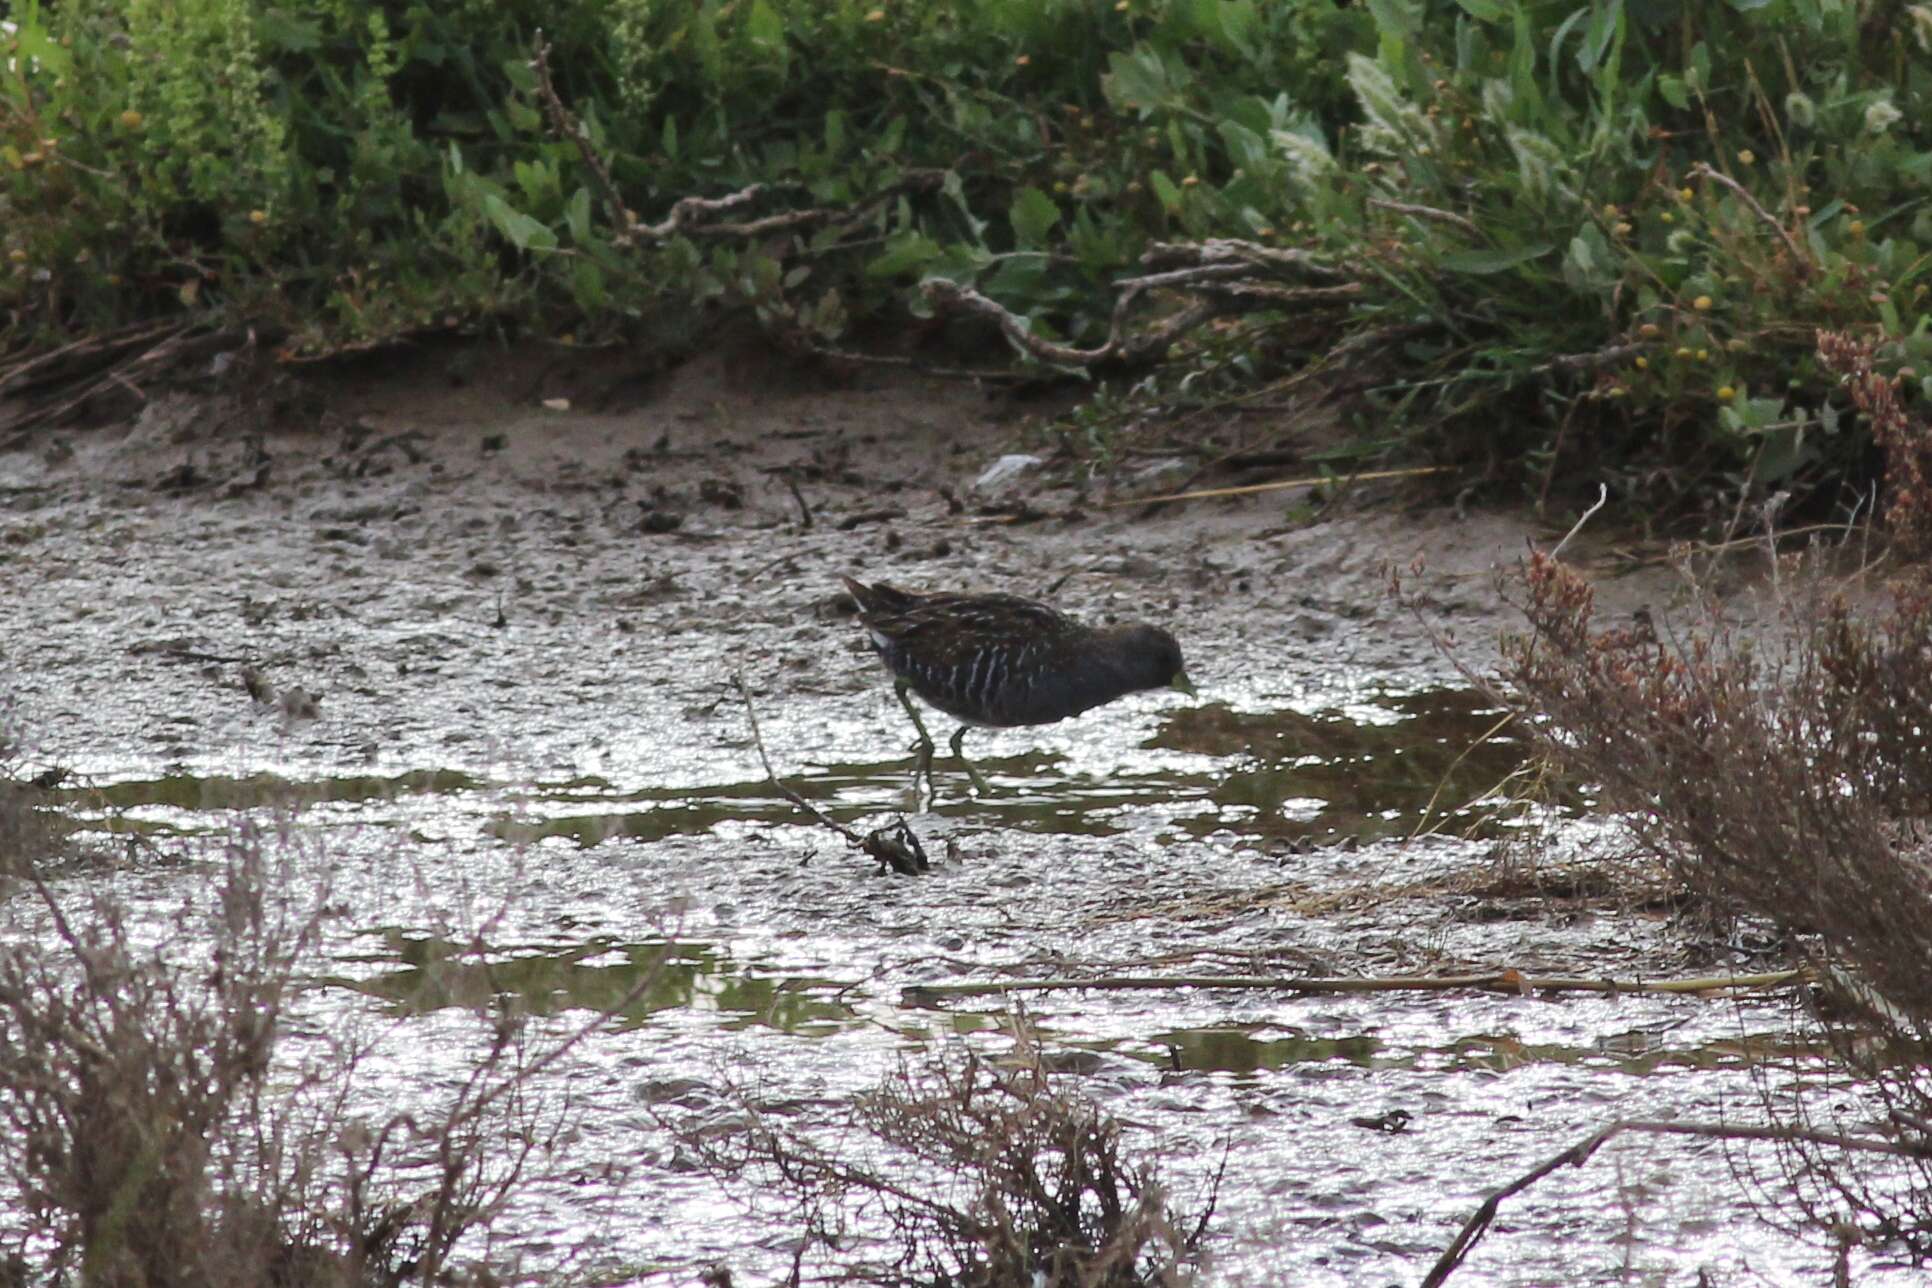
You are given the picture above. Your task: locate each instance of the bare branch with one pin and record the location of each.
(1224, 250)
(568, 126)
(1578, 1154)
(1427, 212)
(1799, 258)
(964, 299)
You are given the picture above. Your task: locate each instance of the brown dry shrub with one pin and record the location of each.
(985, 1174)
(29, 832)
(1906, 441)
(1790, 783)
(151, 1136)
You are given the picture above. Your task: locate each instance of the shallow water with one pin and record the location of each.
(565, 813)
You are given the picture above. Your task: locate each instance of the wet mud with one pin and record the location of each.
(468, 630)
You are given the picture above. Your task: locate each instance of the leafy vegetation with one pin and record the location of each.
(1557, 240)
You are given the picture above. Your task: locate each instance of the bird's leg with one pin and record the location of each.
(959, 754)
(924, 765)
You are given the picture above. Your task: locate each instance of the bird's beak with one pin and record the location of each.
(1185, 685)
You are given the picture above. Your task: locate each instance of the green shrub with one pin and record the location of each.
(356, 170)
(1549, 156)
(1514, 188)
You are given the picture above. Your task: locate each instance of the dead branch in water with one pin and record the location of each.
(1578, 1154)
(895, 846)
(1507, 981)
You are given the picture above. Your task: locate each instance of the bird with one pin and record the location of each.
(1001, 660)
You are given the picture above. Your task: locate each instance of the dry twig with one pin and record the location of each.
(1578, 1154)
(1505, 981)
(1799, 259)
(1280, 485)
(895, 846)
(1427, 212)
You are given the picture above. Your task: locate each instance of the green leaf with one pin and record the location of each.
(1398, 18)
(1563, 33)
(1590, 263)
(534, 178)
(1783, 452)
(1480, 262)
(1606, 25)
(1166, 190)
(1136, 81)
(904, 254)
(522, 231)
(278, 30)
(36, 45)
(1033, 214)
(1238, 20)
(577, 215)
(764, 27)
(1485, 10)
(1395, 18)
(587, 284)
(1675, 91)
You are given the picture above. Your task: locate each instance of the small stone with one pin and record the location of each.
(1006, 470)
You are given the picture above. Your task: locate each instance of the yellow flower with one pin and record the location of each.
(1683, 352)
(1746, 157)
(1667, 217)
(17, 255)
(1685, 194)
(258, 217)
(1648, 331)
(1725, 393)
(1622, 229)
(131, 119)
(1643, 364)
(1703, 355)
(1856, 228)
(1022, 60)
(1191, 181)
(1702, 304)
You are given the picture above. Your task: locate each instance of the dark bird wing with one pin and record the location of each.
(975, 656)
(916, 620)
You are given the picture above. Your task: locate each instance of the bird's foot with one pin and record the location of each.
(922, 768)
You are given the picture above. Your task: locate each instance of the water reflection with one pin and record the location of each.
(1322, 778)
(632, 981)
(1234, 1049)
(1327, 777)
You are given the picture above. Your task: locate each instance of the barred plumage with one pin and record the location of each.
(1003, 660)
